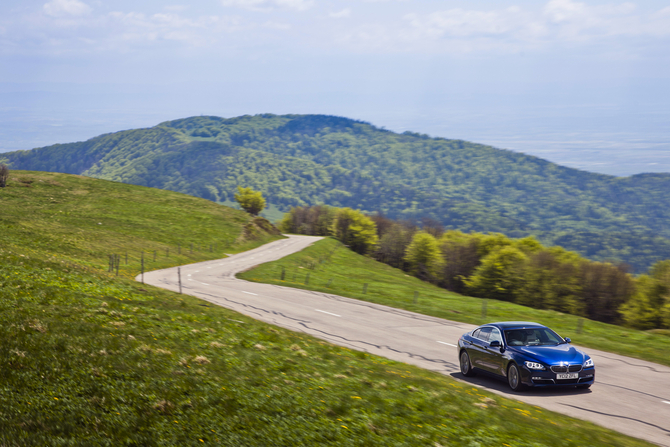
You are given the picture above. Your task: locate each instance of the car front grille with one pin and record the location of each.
(566, 368)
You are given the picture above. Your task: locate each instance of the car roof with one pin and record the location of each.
(514, 324)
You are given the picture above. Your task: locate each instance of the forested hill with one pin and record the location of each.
(311, 159)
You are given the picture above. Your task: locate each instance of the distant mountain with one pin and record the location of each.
(310, 159)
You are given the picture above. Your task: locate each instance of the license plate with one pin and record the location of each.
(566, 376)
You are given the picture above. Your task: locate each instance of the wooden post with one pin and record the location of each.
(283, 273)
(142, 267)
(154, 255)
(365, 288)
(307, 279)
(179, 275)
(416, 296)
(329, 282)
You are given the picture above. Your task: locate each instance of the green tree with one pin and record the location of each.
(355, 229)
(500, 274)
(649, 307)
(424, 256)
(551, 280)
(251, 201)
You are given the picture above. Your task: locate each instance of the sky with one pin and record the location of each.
(581, 83)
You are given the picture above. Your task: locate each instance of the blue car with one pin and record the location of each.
(525, 354)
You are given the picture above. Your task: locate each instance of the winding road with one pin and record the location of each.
(630, 395)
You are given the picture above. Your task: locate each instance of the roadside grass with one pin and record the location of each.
(73, 219)
(332, 268)
(93, 359)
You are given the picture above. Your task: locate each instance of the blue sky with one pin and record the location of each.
(582, 83)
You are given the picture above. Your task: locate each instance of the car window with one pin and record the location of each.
(484, 333)
(495, 335)
(532, 337)
(476, 332)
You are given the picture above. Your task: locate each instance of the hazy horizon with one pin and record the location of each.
(582, 84)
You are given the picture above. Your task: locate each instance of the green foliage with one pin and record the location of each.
(313, 220)
(499, 275)
(354, 229)
(423, 256)
(302, 160)
(251, 201)
(649, 308)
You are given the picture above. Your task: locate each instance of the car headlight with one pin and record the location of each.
(534, 365)
(589, 363)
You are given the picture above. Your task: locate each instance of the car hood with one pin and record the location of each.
(553, 355)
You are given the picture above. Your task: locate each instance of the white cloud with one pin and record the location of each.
(61, 8)
(346, 12)
(269, 5)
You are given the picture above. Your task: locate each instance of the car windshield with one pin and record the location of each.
(539, 336)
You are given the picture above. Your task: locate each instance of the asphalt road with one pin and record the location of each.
(630, 395)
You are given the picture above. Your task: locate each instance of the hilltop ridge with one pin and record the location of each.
(298, 160)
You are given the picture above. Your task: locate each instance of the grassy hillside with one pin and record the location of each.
(90, 358)
(310, 159)
(334, 269)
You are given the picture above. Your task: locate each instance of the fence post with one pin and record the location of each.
(126, 258)
(154, 255)
(118, 261)
(142, 267)
(580, 325)
(484, 308)
(416, 296)
(307, 279)
(329, 282)
(179, 275)
(283, 273)
(365, 288)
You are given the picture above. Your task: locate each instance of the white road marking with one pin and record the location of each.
(204, 283)
(666, 402)
(336, 315)
(448, 344)
(249, 293)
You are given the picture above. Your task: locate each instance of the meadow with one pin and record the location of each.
(91, 357)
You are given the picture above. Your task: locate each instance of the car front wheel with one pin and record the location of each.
(466, 367)
(514, 378)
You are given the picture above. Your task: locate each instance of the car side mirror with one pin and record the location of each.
(497, 344)
(567, 339)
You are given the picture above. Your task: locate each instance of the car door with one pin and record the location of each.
(491, 358)
(477, 349)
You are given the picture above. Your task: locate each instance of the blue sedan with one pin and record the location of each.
(526, 354)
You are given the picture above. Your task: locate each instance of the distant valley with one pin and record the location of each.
(310, 159)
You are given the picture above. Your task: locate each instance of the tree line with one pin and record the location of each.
(494, 266)
(303, 160)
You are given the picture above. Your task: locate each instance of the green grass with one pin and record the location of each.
(88, 358)
(335, 269)
(74, 219)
